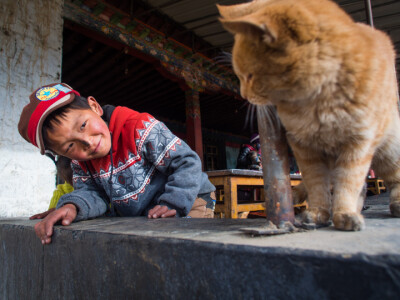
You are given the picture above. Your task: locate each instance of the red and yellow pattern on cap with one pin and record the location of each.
(47, 93)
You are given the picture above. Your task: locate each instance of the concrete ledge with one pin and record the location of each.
(136, 258)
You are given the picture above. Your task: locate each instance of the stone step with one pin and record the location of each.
(137, 258)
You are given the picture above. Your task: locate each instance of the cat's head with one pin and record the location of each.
(275, 48)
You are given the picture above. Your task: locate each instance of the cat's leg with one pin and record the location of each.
(299, 193)
(316, 180)
(386, 164)
(350, 170)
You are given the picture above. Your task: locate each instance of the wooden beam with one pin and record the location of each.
(142, 42)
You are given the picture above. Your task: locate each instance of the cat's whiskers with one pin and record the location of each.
(269, 114)
(225, 59)
(250, 114)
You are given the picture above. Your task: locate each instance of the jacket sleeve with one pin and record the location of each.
(242, 160)
(175, 159)
(87, 196)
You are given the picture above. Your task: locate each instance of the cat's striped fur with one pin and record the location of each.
(333, 83)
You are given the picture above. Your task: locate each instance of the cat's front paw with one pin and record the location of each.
(395, 209)
(348, 221)
(318, 216)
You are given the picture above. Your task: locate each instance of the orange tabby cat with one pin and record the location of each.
(333, 83)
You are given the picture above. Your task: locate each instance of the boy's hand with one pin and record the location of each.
(41, 215)
(65, 214)
(161, 211)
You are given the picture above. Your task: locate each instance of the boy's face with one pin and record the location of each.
(82, 135)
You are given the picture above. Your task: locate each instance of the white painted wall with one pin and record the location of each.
(30, 56)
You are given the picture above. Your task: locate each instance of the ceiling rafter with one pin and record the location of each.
(143, 87)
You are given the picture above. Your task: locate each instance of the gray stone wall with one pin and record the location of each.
(30, 56)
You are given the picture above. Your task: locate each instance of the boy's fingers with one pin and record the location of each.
(163, 209)
(39, 229)
(151, 211)
(47, 212)
(67, 220)
(41, 215)
(46, 240)
(44, 228)
(169, 213)
(49, 222)
(159, 211)
(155, 212)
(41, 232)
(70, 215)
(34, 217)
(53, 219)
(37, 216)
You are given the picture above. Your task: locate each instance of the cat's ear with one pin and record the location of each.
(235, 11)
(240, 10)
(301, 24)
(255, 30)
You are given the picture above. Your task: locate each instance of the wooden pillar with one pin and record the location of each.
(194, 136)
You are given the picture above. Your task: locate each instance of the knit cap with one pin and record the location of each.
(42, 102)
(255, 138)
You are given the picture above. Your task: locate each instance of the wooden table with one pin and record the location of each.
(376, 185)
(229, 180)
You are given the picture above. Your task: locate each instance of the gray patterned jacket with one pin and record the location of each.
(150, 166)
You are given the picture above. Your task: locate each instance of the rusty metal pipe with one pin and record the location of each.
(368, 12)
(275, 162)
(370, 21)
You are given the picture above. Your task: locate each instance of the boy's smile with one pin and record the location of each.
(82, 134)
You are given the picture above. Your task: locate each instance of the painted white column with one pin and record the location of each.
(30, 56)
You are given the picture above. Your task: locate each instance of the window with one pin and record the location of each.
(210, 157)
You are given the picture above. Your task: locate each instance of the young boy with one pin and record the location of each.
(124, 162)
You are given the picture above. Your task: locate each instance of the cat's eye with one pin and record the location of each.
(249, 77)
